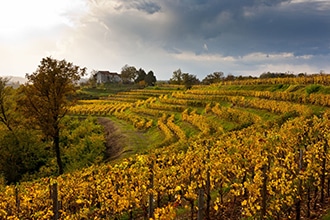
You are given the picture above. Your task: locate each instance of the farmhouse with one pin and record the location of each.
(107, 77)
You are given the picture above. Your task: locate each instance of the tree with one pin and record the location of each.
(189, 80)
(8, 106)
(141, 75)
(145, 79)
(19, 152)
(48, 94)
(128, 73)
(216, 77)
(176, 77)
(150, 79)
(230, 77)
(185, 79)
(92, 81)
(8, 159)
(5, 103)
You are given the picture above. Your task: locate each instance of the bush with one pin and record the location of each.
(83, 143)
(21, 154)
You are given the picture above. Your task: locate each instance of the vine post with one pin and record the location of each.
(54, 197)
(298, 203)
(17, 201)
(151, 186)
(200, 204)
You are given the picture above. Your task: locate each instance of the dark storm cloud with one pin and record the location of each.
(230, 27)
(230, 31)
(241, 27)
(212, 21)
(302, 28)
(141, 5)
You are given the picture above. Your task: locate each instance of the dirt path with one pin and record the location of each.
(123, 140)
(115, 140)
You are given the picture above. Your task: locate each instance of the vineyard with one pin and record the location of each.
(252, 149)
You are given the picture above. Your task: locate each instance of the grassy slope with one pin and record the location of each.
(105, 90)
(135, 141)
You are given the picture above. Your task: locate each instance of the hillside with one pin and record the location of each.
(252, 149)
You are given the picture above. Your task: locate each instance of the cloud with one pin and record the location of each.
(236, 34)
(290, 26)
(145, 6)
(205, 47)
(190, 56)
(233, 36)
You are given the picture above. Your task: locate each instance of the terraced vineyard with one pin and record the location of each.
(252, 149)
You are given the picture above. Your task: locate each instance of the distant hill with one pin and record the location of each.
(16, 79)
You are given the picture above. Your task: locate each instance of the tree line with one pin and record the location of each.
(130, 75)
(188, 80)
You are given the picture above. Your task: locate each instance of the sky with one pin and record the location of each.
(238, 37)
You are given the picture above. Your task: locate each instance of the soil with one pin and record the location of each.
(114, 139)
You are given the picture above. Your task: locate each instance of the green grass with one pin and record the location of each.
(189, 129)
(244, 87)
(226, 125)
(272, 88)
(313, 88)
(317, 110)
(136, 141)
(265, 115)
(105, 90)
(325, 90)
(296, 88)
(279, 87)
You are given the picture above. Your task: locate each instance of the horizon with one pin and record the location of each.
(21, 80)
